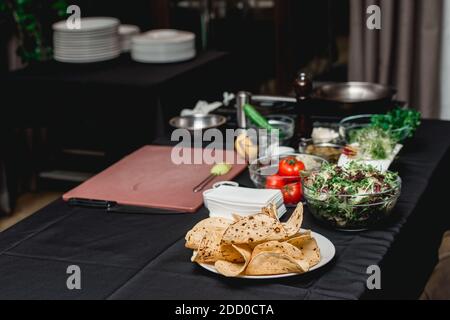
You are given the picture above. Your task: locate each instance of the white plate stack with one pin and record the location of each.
(96, 40)
(126, 33)
(163, 46)
(226, 200)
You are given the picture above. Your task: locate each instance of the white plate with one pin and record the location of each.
(164, 36)
(91, 50)
(88, 25)
(327, 252)
(86, 60)
(163, 49)
(126, 30)
(86, 37)
(87, 53)
(79, 33)
(125, 45)
(72, 42)
(86, 45)
(157, 58)
(97, 33)
(111, 37)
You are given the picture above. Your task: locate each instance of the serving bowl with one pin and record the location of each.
(264, 167)
(351, 212)
(197, 122)
(349, 124)
(328, 151)
(284, 124)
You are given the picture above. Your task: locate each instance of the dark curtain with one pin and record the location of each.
(405, 53)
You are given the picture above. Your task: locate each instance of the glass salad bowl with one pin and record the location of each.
(351, 212)
(328, 151)
(349, 124)
(285, 124)
(264, 167)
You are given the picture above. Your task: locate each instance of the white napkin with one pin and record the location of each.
(226, 201)
(382, 165)
(203, 107)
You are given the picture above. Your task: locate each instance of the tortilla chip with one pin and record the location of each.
(194, 256)
(293, 225)
(278, 247)
(308, 245)
(269, 263)
(254, 230)
(204, 228)
(271, 211)
(237, 217)
(210, 250)
(306, 234)
(230, 254)
(230, 269)
(299, 239)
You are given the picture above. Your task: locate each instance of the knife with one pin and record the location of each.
(114, 207)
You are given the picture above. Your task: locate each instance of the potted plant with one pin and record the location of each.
(28, 16)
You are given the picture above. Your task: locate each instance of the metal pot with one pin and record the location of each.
(354, 92)
(353, 98)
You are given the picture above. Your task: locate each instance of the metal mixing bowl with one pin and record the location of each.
(198, 122)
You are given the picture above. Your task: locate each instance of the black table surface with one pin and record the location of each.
(121, 71)
(126, 256)
(113, 106)
(48, 93)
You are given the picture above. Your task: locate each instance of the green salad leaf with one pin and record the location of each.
(396, 120)
(374, 143)
(354, 179)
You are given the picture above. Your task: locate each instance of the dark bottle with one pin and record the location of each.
(303, 88)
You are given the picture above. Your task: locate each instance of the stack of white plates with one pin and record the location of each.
(163, 46)
(126, 33)
(96, 40)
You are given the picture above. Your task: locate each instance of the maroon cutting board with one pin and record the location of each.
(149, 178)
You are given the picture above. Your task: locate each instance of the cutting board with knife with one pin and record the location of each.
(150, 179)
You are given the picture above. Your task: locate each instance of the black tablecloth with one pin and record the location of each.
(143, 256)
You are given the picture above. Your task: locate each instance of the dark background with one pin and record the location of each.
(271, 43)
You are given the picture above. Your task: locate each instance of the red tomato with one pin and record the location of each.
(292, 193)
(294, 179)
(290, 167)
(275, 182)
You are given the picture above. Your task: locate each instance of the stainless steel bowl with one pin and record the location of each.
(198, 122)
(354, 92)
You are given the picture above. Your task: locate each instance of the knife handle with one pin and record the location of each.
(203, 184)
